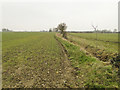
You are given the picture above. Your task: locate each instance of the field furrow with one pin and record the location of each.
(36, 60)
(46, 60)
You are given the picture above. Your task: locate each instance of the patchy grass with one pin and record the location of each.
(92, 73)
(105, 51)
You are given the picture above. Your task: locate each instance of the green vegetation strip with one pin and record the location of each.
(105, 51)
(112, 37)
(92, 73)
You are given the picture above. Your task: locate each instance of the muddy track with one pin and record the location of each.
(69, 72)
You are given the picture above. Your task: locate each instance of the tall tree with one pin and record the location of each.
(62, 27)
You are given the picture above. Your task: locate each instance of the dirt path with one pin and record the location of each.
(69, 72)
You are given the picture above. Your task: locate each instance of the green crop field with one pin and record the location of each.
(46, 60)
(28, 58)
(100, 36)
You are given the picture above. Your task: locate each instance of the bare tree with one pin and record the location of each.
(95, 29)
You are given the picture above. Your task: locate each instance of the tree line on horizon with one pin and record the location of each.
(62, 29)
(6, 30)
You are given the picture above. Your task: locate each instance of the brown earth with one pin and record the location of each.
(49, 74)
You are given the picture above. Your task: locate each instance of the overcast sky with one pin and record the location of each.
(45, 14)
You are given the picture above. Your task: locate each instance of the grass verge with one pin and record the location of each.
(92, 73)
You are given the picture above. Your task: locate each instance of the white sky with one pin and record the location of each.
(45, 14)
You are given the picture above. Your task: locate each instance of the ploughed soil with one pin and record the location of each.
(50, 73)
